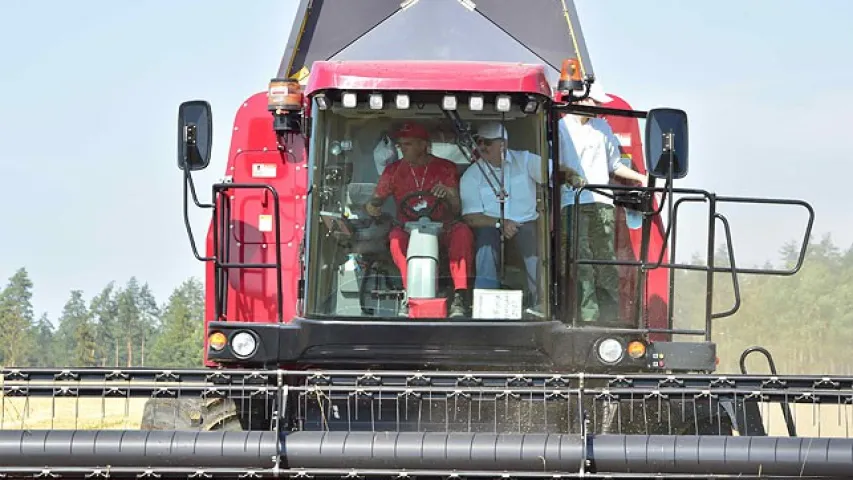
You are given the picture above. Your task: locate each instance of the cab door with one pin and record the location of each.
(650, 286)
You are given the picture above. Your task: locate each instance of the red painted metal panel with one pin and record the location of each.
(254, 157)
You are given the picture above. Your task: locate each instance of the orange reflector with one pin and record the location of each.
(217, 341)
(636, 349)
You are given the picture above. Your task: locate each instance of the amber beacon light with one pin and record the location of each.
(570, 76)
(285, 95)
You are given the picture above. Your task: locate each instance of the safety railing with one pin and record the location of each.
(640, 199)
(222, 245)
(223, 237)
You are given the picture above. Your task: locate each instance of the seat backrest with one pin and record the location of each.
(461, 167)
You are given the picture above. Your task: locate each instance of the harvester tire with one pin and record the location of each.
(221, 414)
(217, 414)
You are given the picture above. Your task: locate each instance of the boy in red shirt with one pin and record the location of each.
(421, 171)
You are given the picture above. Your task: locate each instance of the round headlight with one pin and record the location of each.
(610, 350)
(243, 344)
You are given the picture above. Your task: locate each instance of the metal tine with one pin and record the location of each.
(77, 411)
(373, 412)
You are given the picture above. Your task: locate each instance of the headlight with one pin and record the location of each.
(610, 350)
(243, 344)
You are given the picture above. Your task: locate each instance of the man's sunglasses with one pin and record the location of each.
(486, 141)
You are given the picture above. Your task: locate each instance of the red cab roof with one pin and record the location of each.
(468, 76)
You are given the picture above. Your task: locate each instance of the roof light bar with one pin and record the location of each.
(475, 102)
(323, 101)
(531, 106)
(449, 102)
(376, 101)
(349, 100)
(503, 103)
(402, 101)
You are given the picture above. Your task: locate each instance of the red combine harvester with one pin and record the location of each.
(334, 352)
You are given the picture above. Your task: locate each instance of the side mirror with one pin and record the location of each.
(195, 135)
(666, 143)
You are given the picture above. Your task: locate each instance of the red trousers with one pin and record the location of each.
(458, 240)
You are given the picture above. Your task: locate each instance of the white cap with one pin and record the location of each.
(597, 93)
(492, 130)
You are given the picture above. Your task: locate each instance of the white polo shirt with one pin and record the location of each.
(521, 172)
(596, 155)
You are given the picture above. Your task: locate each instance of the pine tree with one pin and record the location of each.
(75, 338)
(16, 320)
(128, 321)
(181, 341)
(104, 311)
(43, 334)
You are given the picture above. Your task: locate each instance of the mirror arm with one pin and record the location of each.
(188, 180)
(188, 185)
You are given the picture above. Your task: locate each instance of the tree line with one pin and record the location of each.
(804, 320)
(121, 326)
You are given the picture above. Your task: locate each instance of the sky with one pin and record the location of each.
(89, 94)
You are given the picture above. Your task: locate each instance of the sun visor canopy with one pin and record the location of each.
(540, 32)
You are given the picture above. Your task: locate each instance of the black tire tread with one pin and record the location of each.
(191, 414)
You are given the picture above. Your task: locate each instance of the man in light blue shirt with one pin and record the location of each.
(519, 172)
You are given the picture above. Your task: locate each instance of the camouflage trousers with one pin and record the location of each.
(597, 285)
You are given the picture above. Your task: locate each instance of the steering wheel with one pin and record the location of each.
(427, 210)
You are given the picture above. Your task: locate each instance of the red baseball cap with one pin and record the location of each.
(412, 130)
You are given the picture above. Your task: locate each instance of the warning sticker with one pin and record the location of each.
(301, 76)
(263, 170)
(265, 223)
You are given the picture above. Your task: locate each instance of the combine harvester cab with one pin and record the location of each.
(314, 366)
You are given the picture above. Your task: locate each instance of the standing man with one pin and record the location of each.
(519, 172)
(597, 158)
(421, 171)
